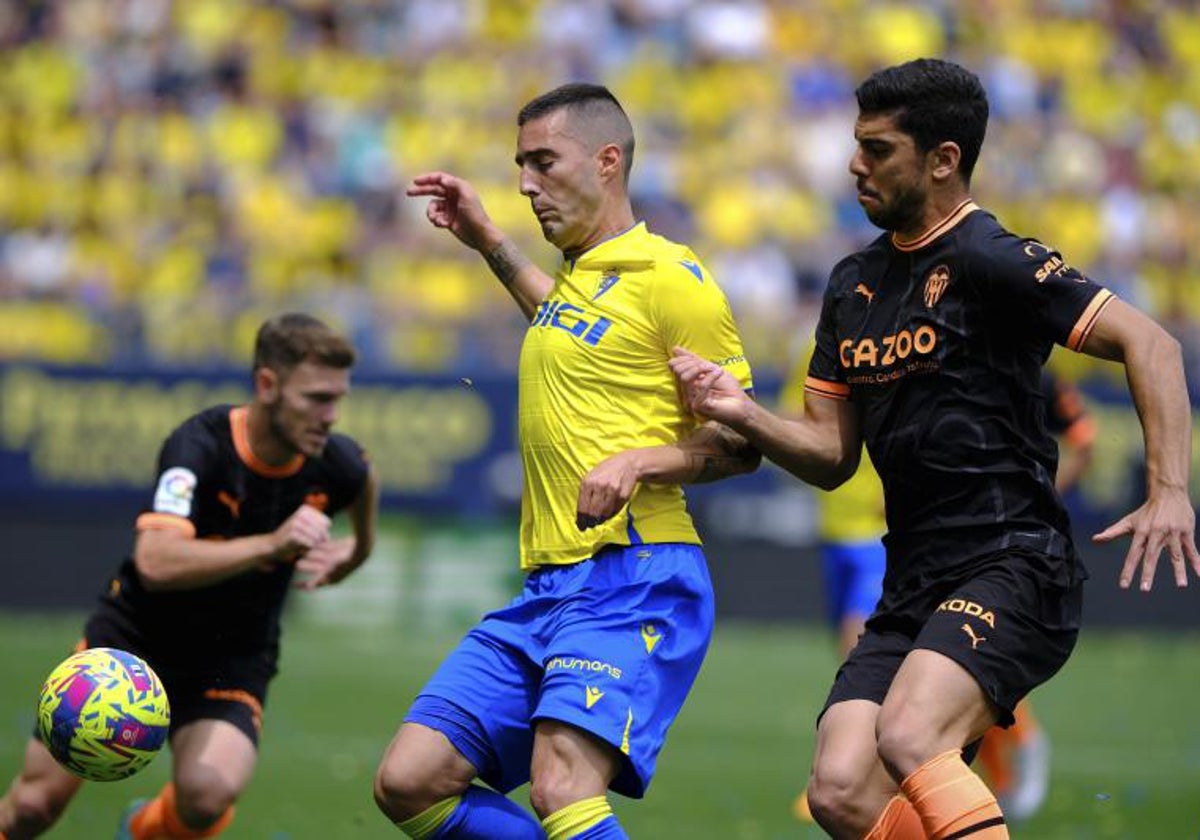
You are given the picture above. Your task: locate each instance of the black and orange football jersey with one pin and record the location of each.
(211, 486)
(939, 343)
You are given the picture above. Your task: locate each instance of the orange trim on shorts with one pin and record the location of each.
(237, 695)
(1087, 321)
(824, 388)
(239, 424)
(944, 226)
(165, 522)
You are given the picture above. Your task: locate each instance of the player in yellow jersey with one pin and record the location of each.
(573, 685)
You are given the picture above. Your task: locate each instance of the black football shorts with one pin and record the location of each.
(1007, 625)
(200, 684)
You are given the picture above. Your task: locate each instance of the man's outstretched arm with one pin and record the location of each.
(1154, 369)
(456, 207)
(822, 447)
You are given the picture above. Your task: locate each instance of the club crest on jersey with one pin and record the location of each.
(609, 280)
(935, 285)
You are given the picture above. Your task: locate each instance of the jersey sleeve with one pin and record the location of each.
(348, 467)
(1044, 293)
(183, 467)
(692, 312)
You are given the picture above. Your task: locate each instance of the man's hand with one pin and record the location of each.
(710, 390)
(326, 563)
(300, 532)
(1167, 521)
(456, 207)
(607, 488)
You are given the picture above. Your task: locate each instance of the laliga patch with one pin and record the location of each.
(175, 490)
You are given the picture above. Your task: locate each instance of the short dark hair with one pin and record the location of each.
(934, 101)
(594, 105)
(286, 340)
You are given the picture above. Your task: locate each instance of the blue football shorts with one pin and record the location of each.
(610, 645)
(853, 575)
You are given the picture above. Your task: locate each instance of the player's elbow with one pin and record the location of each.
(364, 544)
(828, 481)
(834, 471)
(152, 560)
(151, 572)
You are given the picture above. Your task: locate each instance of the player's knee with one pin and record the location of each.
(419, 769)
(551, 792)
(393, 788)
(202, 798)
(905, 743)
(835, 798)
(403, 790)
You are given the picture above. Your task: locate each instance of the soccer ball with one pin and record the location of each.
(103, 714)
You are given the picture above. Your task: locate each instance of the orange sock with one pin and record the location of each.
(999, 744)
(159, 820)
(995, 754)
(1025, 725)
(899, 821)
(953, 801)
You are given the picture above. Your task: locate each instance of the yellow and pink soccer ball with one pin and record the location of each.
(103, 714)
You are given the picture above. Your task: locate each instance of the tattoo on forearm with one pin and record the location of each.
(733, 454)
(712, 468)
(506, 261)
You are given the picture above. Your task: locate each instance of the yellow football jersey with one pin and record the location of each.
(594, 381)
(854, 512)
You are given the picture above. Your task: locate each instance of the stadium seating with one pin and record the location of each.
(171, 171)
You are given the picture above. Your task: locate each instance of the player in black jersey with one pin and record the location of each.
(929, 348)
(240, 514)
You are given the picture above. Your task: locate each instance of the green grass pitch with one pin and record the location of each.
(1124, 716)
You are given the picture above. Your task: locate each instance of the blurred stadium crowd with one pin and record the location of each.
(171, 172)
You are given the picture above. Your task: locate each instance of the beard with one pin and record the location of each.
(902, 213)
(279, 430)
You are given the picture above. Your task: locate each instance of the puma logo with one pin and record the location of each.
(861, 289)
(235, 506)
(975, 640)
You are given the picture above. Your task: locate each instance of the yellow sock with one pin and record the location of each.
(953, 801)
(159, 820)
(429, 820)
(576, 817)
(899, 821)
